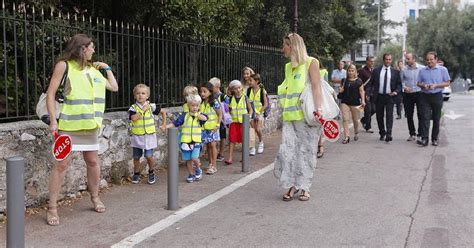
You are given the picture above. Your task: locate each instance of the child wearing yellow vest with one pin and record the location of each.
(143, 138)
(210, 133)
(255, 96)
(221, 97)
(191, 132)
(238, 106)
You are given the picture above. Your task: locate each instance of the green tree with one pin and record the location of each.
(449, 32)
(394, 49)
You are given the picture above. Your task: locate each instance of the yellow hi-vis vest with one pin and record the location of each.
(255, 99)
(144, 125)
(237, 110)
(208, 110)
(185, 108)
(290, 90)
(84, 105)
(191, 130)
(323, 73)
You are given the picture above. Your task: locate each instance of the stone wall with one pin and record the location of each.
(31, 140)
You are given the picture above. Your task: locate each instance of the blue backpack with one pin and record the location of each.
(263, 95)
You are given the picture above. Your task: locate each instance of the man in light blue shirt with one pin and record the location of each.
(431, 79)
(337, 77)
(411, 93)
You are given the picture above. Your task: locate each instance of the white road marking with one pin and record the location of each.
(159, 226)
(451, 115)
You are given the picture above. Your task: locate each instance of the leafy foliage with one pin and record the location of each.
(448, 31)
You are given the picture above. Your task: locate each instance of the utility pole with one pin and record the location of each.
(295, 20)
(405, 31)
(378, 26)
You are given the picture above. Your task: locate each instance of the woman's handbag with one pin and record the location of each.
(328, 104)
(41, 107)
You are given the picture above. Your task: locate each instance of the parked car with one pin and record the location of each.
(446, 93)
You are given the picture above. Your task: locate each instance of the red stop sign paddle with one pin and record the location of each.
(62, 146)
(330, 128)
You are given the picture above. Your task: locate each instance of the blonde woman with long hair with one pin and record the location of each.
(296, 159)
(352, 101)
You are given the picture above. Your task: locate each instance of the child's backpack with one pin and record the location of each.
(226, 118)
(263, 94)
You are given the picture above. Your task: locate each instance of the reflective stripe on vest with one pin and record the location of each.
(144, 125)
(255, 99)
(290, 90)
(84, 105)
(211, 122)
(191, 131)
(237, 110)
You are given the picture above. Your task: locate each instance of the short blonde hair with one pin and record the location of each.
(193, 99)
(141, 86)
(190, 90)
(298, 53)
(216, 82)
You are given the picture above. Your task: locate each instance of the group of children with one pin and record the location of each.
(206, 116)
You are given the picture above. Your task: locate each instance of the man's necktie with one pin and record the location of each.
(385, 82)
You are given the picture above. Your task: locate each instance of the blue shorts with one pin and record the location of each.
(188, 155)
(138, 152)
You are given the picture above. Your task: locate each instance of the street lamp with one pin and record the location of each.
(378, 26)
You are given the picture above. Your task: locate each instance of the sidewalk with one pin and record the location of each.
(131, 207)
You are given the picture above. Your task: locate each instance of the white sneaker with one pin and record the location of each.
(252, 151)
(260, 148)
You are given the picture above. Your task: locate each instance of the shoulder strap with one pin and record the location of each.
(64, 78)
(248, 91)
(262, 95)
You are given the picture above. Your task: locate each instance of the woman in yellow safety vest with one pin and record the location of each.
(80, 116)
(296, 160)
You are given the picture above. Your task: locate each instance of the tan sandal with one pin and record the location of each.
(304, 196)
(99, 206)
(52, 217)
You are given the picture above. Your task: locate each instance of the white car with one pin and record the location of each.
(446, 93)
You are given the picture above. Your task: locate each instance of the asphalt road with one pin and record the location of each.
(365, 194)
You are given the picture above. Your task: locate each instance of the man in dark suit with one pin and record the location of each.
(386, 85)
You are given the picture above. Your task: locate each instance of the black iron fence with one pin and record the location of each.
(33, 39)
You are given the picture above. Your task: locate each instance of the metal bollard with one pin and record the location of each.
(15, 202)
(173, 168)
(245, 144)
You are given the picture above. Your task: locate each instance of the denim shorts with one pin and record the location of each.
(138, 152)
(188, 155)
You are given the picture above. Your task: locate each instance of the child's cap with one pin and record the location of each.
(235, 83)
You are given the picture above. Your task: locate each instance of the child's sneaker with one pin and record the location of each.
(136, 178)
(260, 147)
(198, 174)
(190, 178)
(252, 151)
(220, 158)
(151, 178)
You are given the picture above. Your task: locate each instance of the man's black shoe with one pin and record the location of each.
(399, 117)
(422, 142)
(388, 138)
(434, 142)
(382, 137)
